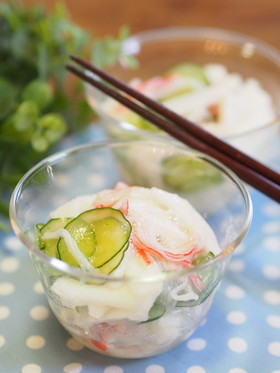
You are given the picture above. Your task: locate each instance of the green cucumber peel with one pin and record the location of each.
(203, 258)
(102, 236)
(157, 310)
(183, 173)
(50, 245)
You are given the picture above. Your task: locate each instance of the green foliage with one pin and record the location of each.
(109, 51)
(39, 102)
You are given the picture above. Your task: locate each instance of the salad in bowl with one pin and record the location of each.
(225, 81)
(130, 268)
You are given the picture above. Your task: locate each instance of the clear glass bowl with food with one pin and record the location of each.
(223, 80)
(129, 252)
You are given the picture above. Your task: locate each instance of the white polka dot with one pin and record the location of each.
(74, 345)
(237, 265)
(196, 369)
(237, 344)
(31, 368)
(6, 288)
(9, 265)
(2, 341)
(271, 271)
(237, 370)
(196, 344)
(271, 227)
(271, 209)
(35, 342)
(38, 288)
(274, 348)
(4, 312)
(236, 317)
(272, 297)
(39, 313)
(73, 368)
(272, 243)
(274, 321)
(113, 369)
(235, 292)
(13, 243)
(154, 369)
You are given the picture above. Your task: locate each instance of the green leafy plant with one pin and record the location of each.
(39, 102)
(108, 51)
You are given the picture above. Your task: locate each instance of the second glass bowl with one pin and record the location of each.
(159, 50)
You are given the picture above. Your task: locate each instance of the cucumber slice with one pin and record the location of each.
(190, 85)
(39, 226)
(158, 310)
(184, 173)
(141, 122)
(112, 233)
(84, 236)
(204, 257)
(112, 264)
(189, 69)
(100, 234)
(50, 245)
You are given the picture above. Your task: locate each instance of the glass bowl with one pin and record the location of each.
(146, 311)
(159, 50)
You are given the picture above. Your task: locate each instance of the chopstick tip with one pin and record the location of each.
(74, 58)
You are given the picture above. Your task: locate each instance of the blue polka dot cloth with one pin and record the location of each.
(240, 335)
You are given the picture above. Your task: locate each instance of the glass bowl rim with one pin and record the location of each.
(200, 33)
(78, 272)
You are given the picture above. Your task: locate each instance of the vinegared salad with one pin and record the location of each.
(134, 239)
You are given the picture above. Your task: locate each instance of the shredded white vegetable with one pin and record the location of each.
(188, 294)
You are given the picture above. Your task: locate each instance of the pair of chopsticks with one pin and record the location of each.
(258, 175)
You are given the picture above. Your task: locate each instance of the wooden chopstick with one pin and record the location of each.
(196, 130)
(248, 169)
